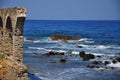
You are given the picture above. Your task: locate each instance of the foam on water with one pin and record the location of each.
(114, 65)
(66, 74)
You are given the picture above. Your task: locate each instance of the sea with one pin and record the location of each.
(97, 37)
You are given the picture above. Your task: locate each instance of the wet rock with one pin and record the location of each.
(54, 53)
(63, 60)
(87, 57)
(63, 37)
(112, 68)
(81, 54)
(99, 56)
(96, 62)
(30, 39)
(118, 59)
(114, 61)
(106, 62)
(80, 46)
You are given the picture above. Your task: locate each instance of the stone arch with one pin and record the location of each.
(19, 26)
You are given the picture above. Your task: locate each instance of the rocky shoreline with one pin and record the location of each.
(96, 61)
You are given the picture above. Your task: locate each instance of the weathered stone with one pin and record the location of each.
(11, 44)
(87, 57)
(106, 62)
(63, 60)
(54, 53)
(63, 37)
(81, 54)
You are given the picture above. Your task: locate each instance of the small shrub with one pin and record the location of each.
(1, 55)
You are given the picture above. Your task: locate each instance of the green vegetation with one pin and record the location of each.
(1, 55)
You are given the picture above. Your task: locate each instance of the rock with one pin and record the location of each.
(106, 62)
(63, 60)
(54, 53)
(80, 46)
(99, 56)
(87, 57)
(81, 54)
(30, 39)
(118, 59)
(63, 37)
(114, 61)
(96, 62)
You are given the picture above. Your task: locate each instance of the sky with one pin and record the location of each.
(67, 9)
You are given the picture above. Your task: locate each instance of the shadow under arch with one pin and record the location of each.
(1, 32)
(9, 24)
(1, 23)
(9, 30)
(19, 26)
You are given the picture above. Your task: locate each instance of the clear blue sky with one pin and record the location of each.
(68, 9)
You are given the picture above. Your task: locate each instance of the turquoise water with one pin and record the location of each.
(98, 37)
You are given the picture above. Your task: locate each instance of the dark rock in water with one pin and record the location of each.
(92, 66)
(112, 68)
(106, 62)
(63, 60)
(99, 56)
(114, 61)
(87, 57)
(63, 37)
(118, 59)
(80, 46)
(96, 62)
(30, 39)
(81, 54)
(54, 53)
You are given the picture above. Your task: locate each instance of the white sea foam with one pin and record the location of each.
(114, 65)
(38, 48)
(87, 40)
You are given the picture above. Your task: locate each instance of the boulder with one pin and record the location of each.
(54, 53)
(87, 57)
(30, 39)
(80, 46)
(63, 37)
(81, 54)
(118, 59)
(114, 61)
(106, 62)
(62, 60)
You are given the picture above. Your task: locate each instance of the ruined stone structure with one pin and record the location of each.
(11, 44)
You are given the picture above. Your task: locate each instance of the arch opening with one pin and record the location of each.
(1, 23)
(1, 32)
(9, 24)
(19, 25)
(9, 30)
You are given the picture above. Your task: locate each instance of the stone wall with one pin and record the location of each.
(11, 44)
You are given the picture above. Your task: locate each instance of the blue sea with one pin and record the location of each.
(97, 37)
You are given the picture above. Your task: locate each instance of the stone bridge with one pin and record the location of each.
(11, 44)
